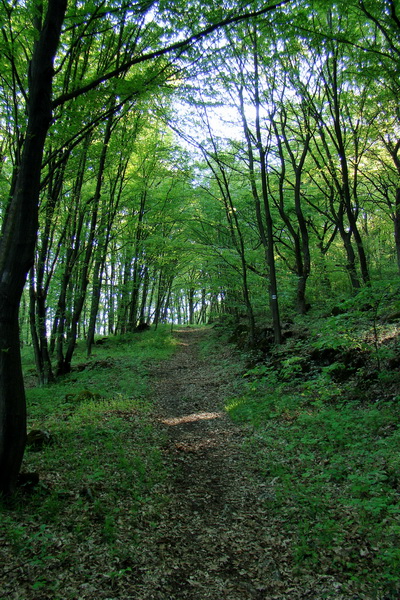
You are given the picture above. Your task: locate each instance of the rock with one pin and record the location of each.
(38, 438)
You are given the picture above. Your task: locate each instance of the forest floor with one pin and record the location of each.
(174, 500)
(215, 539)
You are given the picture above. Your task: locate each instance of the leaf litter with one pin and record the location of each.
(214, 538)
(208, 531)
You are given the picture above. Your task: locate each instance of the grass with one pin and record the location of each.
(100, 473)
(329, 452)
(325, 447)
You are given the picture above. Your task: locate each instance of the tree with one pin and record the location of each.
(18, 243)
(21, 215)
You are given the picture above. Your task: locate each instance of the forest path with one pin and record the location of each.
(213, 539)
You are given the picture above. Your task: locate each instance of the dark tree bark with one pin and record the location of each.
(345, 187)
(397, 227)
(332, 190)
(191, 305)
(393, 149)
(165, 280)
(123, 288)
(74, 225)
(265, 230)
(17, 246)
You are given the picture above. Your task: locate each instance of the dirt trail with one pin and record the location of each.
(209, 531)
(212, 540)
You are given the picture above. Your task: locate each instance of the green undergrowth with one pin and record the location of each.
(327, 450)
(99, 473)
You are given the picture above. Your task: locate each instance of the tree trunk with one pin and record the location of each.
(137, 267)
(65, 366)
(40, 280)
(269, 250)
(123, 299)
(345, 191)
(76, 219)
(17, 247)
(351, 257)
(37, 317)
(397, 227)
(94, 306)
(145, 289)
(265, 231)
(111, 299)
(191, 305)
(98, 273)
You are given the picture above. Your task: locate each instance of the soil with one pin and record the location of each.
(214, 538)
(210, 530)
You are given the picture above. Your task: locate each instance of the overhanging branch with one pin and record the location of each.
(182, 45)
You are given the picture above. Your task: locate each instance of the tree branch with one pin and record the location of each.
(182, 45)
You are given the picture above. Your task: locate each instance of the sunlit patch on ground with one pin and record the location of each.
(192, 418)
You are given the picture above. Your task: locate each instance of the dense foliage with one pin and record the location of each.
(254, 174)
(192, 163)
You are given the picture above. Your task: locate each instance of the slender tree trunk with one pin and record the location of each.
(17, 246)
(393, 150)
(350, 254)
(39, 285)
(111, 300)
(397, 227)
(191, 305)
(305, 245)
(178, 310)
(235, 229)
(152, 293)
(34, 334)
(299, 233)
(75, 223)
(270, 253)
(65, 366)
(166, 305)
(98, 271)
(265, 230)
(123, 301)
(134, 301)
(202, 318)
(37, 313)
(157, 310)
(345, 175)
(145, 290)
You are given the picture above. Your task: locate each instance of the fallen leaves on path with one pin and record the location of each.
(206, 532)
(214, 538)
